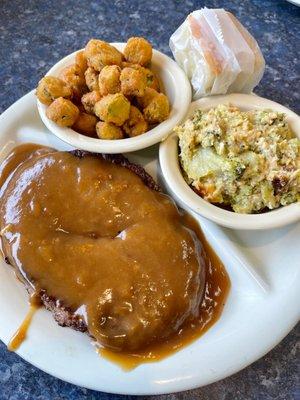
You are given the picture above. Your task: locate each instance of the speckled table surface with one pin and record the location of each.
(36, 34)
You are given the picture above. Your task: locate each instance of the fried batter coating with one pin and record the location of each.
(81, 61)
(126, 64)
(91, 78)
(89, 100)
(152, 80)
(133, 82)
(86, 124)
(106, 130)
(74, 77)
(136, 124)
(99, 54)
(145, 100)
(109, 80)
(50, 88)
(113, 108)
(157, 110)
(63, 112)
(138, 51)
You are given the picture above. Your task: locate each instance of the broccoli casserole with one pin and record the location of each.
(246, 160)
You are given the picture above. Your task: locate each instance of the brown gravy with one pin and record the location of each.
(217, 287)
(77, 212)
(21, 333)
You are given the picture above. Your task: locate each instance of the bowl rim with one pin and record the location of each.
(181, 103)
(169, 162)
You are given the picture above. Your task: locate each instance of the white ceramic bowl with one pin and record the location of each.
(175, 85)
(168, 156)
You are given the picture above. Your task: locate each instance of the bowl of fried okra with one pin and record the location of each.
(113, 97)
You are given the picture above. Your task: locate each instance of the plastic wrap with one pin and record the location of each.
(217, 53)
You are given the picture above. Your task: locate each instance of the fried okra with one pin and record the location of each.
(133, 82)
(138, 51)
(113, 108)
(86, 124)
(99, 54)
(108, 131)
(151, 79)
(136, 124)
(157, 110)
(81, 61)
(74, 77)
(120, 90)
(91, 78)
(148, 96)
(63, 112)
(109, 80)
(50, 88)
(126, 64)
(89, 100)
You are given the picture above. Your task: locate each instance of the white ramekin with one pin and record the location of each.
(169, 162)
(175, 85)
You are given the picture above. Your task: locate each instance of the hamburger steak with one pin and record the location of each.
(103, 248)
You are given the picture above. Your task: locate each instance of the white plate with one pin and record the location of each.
(295, 2)
(263, 305)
